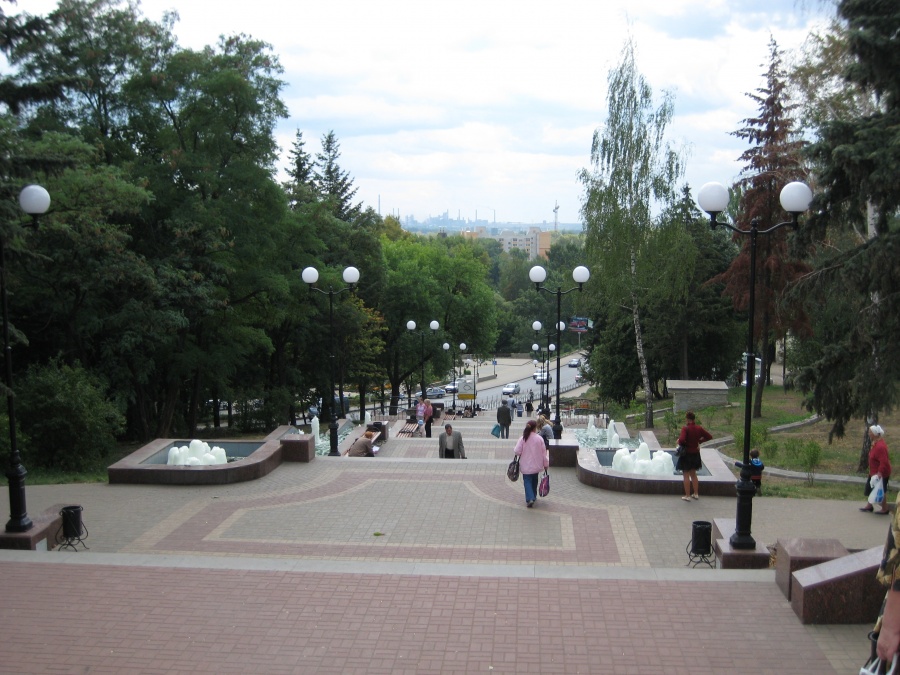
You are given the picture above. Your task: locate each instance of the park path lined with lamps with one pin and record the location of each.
(713, 198)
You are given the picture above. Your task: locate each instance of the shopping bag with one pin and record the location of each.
(544, 486)
(496, 430)
(512, 471)
(876, 496)
(875, 666)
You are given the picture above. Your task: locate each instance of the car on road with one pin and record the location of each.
(451, 387)
(574, 363)
(511, 388)
(578, 376)
(431, 392)
(542, 377)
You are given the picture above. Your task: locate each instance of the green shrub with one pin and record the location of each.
(65, 415)
(811, 457)
(672, 423)
(769, 449)
(793, 447)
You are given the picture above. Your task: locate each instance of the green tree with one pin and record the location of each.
(857, 159)
(633, 167)
(301, 189)
(334, 184)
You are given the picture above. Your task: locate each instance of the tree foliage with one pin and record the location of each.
(772, 160)
(854, 368)
(633, 169)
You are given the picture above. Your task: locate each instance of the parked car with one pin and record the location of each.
(574, 363)
(511, 388)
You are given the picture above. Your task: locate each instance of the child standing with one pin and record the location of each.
(756, 469)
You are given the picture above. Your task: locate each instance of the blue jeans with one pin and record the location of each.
(531, 482)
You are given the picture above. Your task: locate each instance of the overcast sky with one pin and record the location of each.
(488, 107)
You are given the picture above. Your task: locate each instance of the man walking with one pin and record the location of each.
(450, 444)
(504, 419)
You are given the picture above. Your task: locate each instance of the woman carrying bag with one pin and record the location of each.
(879, 465)
(533, 458)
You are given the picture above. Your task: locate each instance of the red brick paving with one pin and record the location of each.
(101, 619)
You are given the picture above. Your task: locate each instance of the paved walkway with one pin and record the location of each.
(408, 563)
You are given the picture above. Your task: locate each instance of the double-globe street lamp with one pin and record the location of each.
(462, 348)
(411, 327)
(351, 277)
(538, 275)
(544, 369)
(34, 200)
(713, 198)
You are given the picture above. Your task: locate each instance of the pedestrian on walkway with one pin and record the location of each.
(529, 407)
(419, 429)
(533, 458)
(879, 465)
(429, 412)
(692, 435)
(504, 418)
(545, 430)
(756, 467)
(450, 444)
(362, 446)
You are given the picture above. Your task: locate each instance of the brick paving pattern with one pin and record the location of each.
(408, 563)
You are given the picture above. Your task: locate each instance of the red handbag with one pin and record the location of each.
(544, 486)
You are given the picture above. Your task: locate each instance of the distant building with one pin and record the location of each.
(534, 241)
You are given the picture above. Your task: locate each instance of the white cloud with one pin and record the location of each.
(491, 104)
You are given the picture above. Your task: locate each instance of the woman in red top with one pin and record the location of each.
(879, 465)
(692, 435)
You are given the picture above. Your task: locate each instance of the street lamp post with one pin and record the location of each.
(411, 326)
(538, 275)
(351, 277)
(713, 198)
(34, 201)
(545, 366)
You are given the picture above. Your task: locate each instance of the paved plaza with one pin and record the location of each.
(407, 563)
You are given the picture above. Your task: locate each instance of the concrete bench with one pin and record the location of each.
(843, 590)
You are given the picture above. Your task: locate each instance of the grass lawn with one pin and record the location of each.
(785, 448)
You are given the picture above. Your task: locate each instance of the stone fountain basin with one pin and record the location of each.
(143, 466)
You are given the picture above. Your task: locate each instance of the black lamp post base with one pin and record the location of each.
(742, 539)
(333, 439)
(19, 520)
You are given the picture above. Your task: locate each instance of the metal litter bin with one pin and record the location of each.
(382, 430)
(701, 537)
(71, 521)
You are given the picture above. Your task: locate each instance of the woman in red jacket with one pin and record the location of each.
(692, 435)
(879, 465)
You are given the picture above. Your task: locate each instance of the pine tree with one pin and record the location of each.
(858, 160)
(301, 189)
(335, 185)
(772, 161)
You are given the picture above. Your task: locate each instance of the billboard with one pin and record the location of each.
(580, 324)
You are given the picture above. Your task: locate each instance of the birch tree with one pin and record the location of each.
(633, 170)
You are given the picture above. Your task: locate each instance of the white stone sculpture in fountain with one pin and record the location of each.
(314, 428)
(198, 453)
(640, 462)
(367, 419)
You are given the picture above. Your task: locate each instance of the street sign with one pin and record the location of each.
(466, 390)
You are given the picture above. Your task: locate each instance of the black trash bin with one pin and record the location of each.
(71, 521)
(382, 430)
(701, 537)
